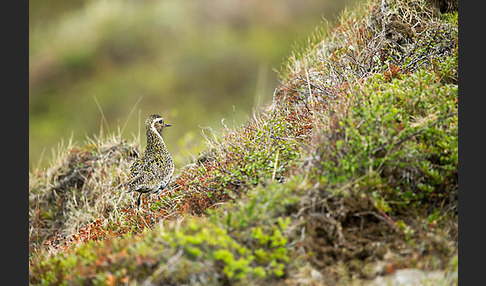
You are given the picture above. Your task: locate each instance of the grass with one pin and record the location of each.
(349, 174)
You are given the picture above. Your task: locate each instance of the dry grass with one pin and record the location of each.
(79, 187)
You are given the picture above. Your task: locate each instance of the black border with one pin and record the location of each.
(471, 143)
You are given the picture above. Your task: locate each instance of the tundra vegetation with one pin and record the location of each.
(350, 173)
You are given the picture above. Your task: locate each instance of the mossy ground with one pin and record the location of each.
(350, 173)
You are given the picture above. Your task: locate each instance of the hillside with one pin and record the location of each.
(349, 175)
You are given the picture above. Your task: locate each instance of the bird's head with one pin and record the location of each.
(156, 122)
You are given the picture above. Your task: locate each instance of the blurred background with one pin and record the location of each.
(193, 62)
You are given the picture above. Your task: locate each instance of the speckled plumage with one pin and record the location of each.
(152, 172)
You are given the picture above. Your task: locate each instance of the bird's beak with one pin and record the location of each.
(166, 125)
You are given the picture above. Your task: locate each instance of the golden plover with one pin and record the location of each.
(151, 172)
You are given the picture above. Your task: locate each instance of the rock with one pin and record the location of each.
(409, 277)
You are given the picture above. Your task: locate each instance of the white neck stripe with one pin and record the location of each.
(155, 130)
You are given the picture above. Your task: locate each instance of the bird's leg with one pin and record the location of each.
(138, 200)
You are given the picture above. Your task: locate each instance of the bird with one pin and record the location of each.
(152, 172)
